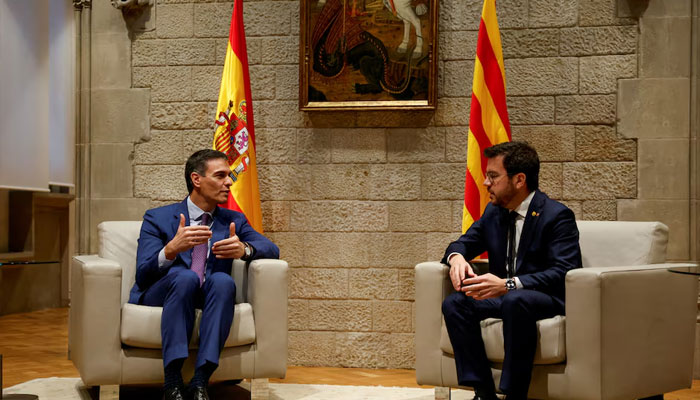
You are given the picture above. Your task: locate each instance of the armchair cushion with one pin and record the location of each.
(551, 340)
(615, 243)
(118, 241)
(140, 326)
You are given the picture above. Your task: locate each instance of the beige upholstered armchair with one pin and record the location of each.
(628, 333)
(113, 342)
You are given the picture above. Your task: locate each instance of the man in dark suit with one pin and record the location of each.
(532, 242)
(184, 259)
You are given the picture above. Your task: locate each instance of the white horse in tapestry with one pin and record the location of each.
(409, 16)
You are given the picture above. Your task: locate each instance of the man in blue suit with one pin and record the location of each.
(184, 259)
(532, 242)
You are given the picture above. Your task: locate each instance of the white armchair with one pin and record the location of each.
(113, 342)
(628, 333)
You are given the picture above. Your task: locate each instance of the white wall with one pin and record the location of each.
(36, 94)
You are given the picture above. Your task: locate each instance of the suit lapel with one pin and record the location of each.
(186, 256)
(533, 213)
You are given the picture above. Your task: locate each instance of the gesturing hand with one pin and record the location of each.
(460, 269)
(485, 286)
(186, 238)
(230, 247)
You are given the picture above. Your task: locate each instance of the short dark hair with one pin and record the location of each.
(518, 157)
(198, 163)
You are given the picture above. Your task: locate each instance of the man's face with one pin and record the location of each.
(215, 184)
(498, 183)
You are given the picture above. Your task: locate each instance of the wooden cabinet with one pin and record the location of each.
(39, 228)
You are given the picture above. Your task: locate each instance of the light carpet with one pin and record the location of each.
(73, 389)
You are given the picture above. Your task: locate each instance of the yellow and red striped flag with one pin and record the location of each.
(488, 118)
(235, 134)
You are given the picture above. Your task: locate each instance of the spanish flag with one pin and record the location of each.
(235, 134)
(488, 118)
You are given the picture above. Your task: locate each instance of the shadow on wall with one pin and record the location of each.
(636, 7)
(368, 119)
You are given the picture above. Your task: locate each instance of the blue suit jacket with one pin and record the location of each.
(160, 226)
(548, 246)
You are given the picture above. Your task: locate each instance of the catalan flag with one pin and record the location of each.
(235, 134)
(488, 118)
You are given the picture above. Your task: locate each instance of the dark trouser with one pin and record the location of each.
(179, 294)
(520, 310)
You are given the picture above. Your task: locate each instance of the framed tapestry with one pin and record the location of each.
(368, 55)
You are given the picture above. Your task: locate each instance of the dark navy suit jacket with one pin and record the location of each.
(160, 226)
(548, 248)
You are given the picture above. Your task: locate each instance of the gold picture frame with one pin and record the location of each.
(366, 55)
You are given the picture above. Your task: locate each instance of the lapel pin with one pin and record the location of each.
(535, 214)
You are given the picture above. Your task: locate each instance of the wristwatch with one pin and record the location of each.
(510, 284)
(248, 251)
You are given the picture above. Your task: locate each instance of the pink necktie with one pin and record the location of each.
(199, 254)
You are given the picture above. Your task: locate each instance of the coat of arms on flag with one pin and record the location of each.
(233, 139)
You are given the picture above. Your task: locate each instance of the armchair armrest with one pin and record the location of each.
(630, 330)
(94, 319)
(267, 293)
(432, 286)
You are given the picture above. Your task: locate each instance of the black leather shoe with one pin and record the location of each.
(174, 393)
(198, 393)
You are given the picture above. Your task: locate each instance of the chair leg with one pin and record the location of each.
(442, 393)
(259, 389)
(109, 392)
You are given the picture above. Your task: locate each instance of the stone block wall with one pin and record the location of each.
(356, 199)
(655, 108)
